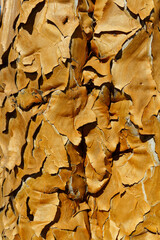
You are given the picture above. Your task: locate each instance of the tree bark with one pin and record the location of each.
(80, 123)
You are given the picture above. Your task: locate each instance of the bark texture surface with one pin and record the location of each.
(79, 120)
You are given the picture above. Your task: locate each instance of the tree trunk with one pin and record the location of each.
(80, 123)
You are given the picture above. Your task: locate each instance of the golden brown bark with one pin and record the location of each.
(80, 123)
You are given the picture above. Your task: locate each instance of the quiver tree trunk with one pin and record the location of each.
(80, 124)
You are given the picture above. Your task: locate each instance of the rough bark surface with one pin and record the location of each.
(79, 120)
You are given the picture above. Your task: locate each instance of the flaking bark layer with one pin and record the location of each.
(79, 120)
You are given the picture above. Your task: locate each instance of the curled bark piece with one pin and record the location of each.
(114, 19)
(63, 16)
(55, 159)
(64, 120)
(10, 13)
(130, 215)
(152, 221)
(119, 3)
(147, 236)
(97, 71)
(114, 187)
(43, 207)
(128, 79)
(7, 80)
(26, 98)
(17, 138)
(129, 167)
(143, 8)
(152, 194)
(79, 120)
(109, 44)
(96, 149)
(67, 220)
(56, 79)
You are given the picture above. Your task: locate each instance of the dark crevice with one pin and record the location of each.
(28, 108)
(130, 185)
(121, 8)
(119, 55)
(145, 138)
(106, 175)
(89, 86)
(61, 168)
(36, 132)
(15, 22)
(87, 128)
(118, 95)
(89, 47)
(15, 171)
(132, 36)
(5, 57)
(34, 117)
(147, 19)
(117, 153)
(155, 233)
(91, 69)
(47, 227)
(83, 147)
(1, 17)
(122, 194)
(6, 209)
(94, 23)
(100, 192)
(24, 178)
(90, 14)
(77, 33)
(114, 120)
(115, 33)
(14, 193)
(132, 14)
(128, 97)
(32, 76)
(24, 146)
(18, 220)
(11, 204)
(65, 20)
(34, 175)
(52, 23)
(22, 156)
(28, 26)
(111, 88)
(3, 185)
(49, 75)
(9, 115)
(69, 160)
(15, 79)
(30, 216)
(40, 82)
(111, 64)
(27, 129)
(15, 95)
(136, 126)
(3, 103)
(14, 64)
(140, 234)
(2, 208)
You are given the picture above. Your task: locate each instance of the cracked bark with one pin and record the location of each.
(80, 128)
